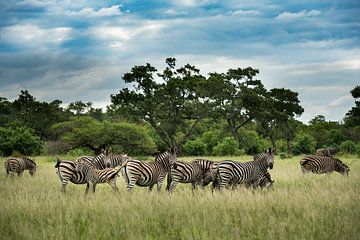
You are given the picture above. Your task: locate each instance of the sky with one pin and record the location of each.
(79, 50)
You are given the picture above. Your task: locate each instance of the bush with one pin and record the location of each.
(252, 143)
(210, 139)
(303, 143)
(77, 152)
(228, 146)
(58, 147)
(20, 139)
(194, 148)
(348, 147)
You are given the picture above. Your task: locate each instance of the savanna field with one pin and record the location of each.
(297, 207)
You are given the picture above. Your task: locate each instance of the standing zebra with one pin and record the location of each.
(231, 172)
(185, 172)
(147, 174)
(98, 161)
(326, 152)
(93, 176)
(19, 165)
(114, 160)
(320, 164)
(66, 170)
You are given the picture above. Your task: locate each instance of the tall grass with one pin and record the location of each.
(310, 207)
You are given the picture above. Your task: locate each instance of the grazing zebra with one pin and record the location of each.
(93, 176)
(147, 174)
(231, 172)
(320, 164)
(66, 170)
(185, 172)
(264, 181)
(19, 165)
(326, 152)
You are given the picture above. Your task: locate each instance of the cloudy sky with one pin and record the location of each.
(78, 50)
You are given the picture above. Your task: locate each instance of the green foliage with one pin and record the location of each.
(348, 146)
(87, 132)
(252, 143)
(20, 139)
(227, 147)
(194, 147)
(80, 152)
(352, 118)
(335, 137)
(304, 143)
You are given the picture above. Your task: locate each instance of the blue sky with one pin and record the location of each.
(78, 50)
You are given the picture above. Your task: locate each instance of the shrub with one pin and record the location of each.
(228, 146)
(77, 152)
(348, 147)
(211, 139)
(252, 143)
(20, 139)
(57, 147)
(194, 148)
(303, 143)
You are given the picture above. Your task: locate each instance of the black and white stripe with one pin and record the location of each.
(114, 160)
(66, 170)
(185, 172)
(231, 172)
(147, 174)
(93, 176)
(98, 161)
(320, 164)
(19, 165)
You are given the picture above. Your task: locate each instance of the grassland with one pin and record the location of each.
(310, 207)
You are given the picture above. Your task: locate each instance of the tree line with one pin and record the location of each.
(229, 113)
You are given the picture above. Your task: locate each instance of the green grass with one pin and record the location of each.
(310, 207)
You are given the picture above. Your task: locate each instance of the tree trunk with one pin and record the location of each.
(289, 147)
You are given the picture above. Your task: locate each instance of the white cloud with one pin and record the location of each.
(172, 12)
(286, 16)
(346, 101)
(30, 35)
(244, 13)
(102, 12)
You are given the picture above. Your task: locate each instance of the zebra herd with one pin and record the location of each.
(105, 168)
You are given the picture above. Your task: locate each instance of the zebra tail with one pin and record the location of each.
(57, 163)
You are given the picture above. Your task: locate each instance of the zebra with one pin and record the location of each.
(147, 174)
(320, 164)
(185, 172)
(211, 176)
(19, 165)
(93, 176)
(98, 161)
(326, 152)
(114, 160)
(66, 170)
(231, 172)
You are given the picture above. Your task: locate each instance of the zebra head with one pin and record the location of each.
(270, 157)
(31, 165)
(341, 167)
(80, 166)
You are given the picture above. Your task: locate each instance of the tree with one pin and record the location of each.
(352, 118)
(172, 107)
(20, 139)
(36, 115)
(87, 132)
(236, 97)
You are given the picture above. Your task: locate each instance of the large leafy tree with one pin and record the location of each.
(283, 106)
(171, 103)
(235, 96)
(39, 116)
(87, 132)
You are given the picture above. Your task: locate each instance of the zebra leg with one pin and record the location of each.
(63, 186)
(112, 184)
(94, 187)
(193, 187)
(151, 187)
(168, 182)
(20, 173)
(303, 170)
(87, 188)
(159, 183)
